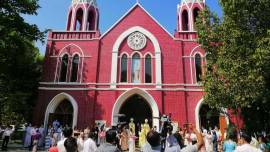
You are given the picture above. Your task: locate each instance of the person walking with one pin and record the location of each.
(6, 136)
(27, 139)
(36, 139)
(33, 134)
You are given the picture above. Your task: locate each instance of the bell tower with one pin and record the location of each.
(188, 12)
(83, 15)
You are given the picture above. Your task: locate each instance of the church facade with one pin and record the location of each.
(136, 69)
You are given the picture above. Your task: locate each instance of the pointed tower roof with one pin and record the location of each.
(91, 2)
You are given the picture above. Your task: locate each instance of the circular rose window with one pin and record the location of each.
(136, 41)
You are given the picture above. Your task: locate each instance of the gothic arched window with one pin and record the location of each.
(185, 20)
(91, 21)
(196, 12)
(74, 70)
(79, 20)
(198, 67)
(124, 68)
(136, 68)
(148, 69)
(64, 68)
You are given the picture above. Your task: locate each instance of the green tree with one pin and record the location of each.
(238, 54)
(20, 61)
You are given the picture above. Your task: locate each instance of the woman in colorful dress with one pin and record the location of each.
(132, 139)
(124, 139)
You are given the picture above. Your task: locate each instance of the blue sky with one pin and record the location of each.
(53, 13)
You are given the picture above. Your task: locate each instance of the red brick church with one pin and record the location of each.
(136, 68)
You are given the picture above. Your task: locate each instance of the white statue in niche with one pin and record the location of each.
(136, 69)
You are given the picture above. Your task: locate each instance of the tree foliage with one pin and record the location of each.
(19, 60)
(238, 52)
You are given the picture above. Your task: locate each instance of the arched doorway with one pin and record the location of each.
(63, 113)
(62, 103)
(209, 118)
(136, 94)
(139, 114)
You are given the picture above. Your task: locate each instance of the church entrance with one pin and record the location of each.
(63, 113)
(211, 118)
(136, 107)
(138, 104)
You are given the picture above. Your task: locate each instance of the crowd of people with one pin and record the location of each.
(100, 138)
(233, 140)
(33, 137)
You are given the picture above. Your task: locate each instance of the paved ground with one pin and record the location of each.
(15, 146)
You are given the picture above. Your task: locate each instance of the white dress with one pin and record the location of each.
(27, 139)
(208, 143)
(131, 142)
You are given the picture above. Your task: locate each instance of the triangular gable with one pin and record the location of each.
(128, 12)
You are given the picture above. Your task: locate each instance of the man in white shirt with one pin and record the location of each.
(245, 146)
(6, 136)
(89, 145)
(67, 132)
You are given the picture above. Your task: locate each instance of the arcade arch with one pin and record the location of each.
(115, 54)
(207, 117)
(64, 104)
(136, 93)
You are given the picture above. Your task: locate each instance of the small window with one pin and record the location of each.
(185, 20)
(74, 70)
(148, 69)
(69, 20)
(198, 67)
(64, 65)
(91, 21)
(136, 68)
(124, 68)
(196, 12)
(79, 20)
